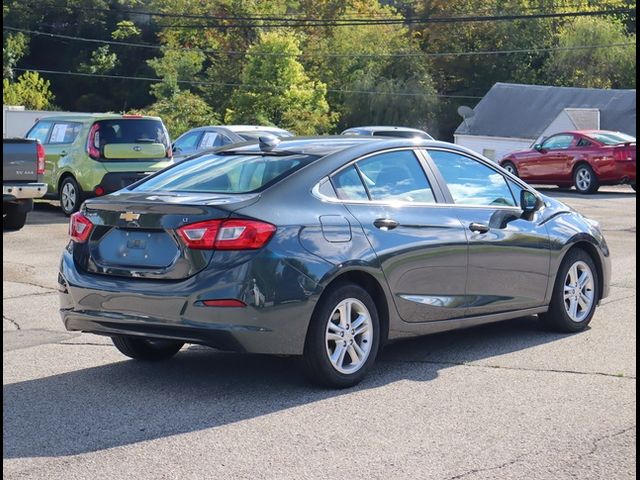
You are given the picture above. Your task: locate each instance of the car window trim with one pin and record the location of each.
(46, 137)
(435, 187)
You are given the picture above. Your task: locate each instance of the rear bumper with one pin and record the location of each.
(273, 322)
(617, 172)
(20, 191)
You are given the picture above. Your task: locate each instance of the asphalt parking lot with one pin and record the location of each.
(507, 401)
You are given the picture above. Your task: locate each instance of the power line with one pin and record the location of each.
(241, 85)
(346, 21)
(290, 23)
(320, 54)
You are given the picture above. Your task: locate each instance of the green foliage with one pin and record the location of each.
(276, 89)
(14, 47)
(595, 67)
(126, 30)
(173, 66)
(181, 112)
(30, 91)
(102, 61)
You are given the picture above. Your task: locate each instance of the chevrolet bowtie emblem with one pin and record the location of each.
(129, 216)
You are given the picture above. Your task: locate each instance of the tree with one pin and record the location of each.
(30, 91)
(102, 61)
(181, 112)
(611, 67)
(277, 90)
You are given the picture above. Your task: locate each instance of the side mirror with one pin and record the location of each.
(175, 149)
(529, 202)
(538, 147)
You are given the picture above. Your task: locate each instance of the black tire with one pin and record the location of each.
(585, 179)
(557, 318)
(70, 203)
(146, 349)
(13, 217)
(317, 364)
(511, 168)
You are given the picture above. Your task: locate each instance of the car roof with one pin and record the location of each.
(382, 128)
(591, 132)
(328, 144)
(249, 128)
(85, 117)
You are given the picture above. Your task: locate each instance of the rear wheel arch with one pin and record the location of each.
(369, 283)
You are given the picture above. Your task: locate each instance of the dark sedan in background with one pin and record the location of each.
(326, 248)
(205, 138)
(585, 159)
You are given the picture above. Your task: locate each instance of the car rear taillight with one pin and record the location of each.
(93, 142)
(233, 234)
(40, 151)
(622, 154)
(80, 227)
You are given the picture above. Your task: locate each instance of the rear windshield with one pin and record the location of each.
(225, 173)
(131, 130)
(611, 138)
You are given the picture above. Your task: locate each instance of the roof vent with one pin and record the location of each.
(268, 142)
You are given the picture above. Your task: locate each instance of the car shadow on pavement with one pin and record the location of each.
(128, 402)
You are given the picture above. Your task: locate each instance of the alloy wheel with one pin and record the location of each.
(348, 336)
(579, 291)
(68, 197)
(583, 179)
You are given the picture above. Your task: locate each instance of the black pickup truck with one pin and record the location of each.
(22, 171)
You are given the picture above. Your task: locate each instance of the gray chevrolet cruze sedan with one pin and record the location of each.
(326, 248)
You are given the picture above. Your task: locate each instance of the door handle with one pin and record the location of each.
(479, 227)
(385, 223)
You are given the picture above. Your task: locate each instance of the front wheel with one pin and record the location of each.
(585, 180)
(146, 348)
(70, 196)
(343, 338)
(575, 294)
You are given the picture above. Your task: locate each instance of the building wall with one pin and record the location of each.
(494, 148)
(16, 123)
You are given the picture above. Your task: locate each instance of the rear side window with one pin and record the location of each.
(130, 130)
(471, 182)
(225, 173)
(211, 140)
(64, 132)
(348, 185)
(40, 131)
(396, 176)
(401, 134)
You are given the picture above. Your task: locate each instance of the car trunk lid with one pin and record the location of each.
(135, 234)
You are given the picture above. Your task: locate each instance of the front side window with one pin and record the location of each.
(558, 142)
(64, 132)
(471, 182)
(237, 173)
(40, 131)
(188, 142)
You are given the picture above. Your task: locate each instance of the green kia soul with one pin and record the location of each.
(95, 154)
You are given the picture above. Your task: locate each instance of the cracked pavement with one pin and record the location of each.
(501, 401)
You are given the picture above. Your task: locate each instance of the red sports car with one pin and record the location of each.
(585, 159)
